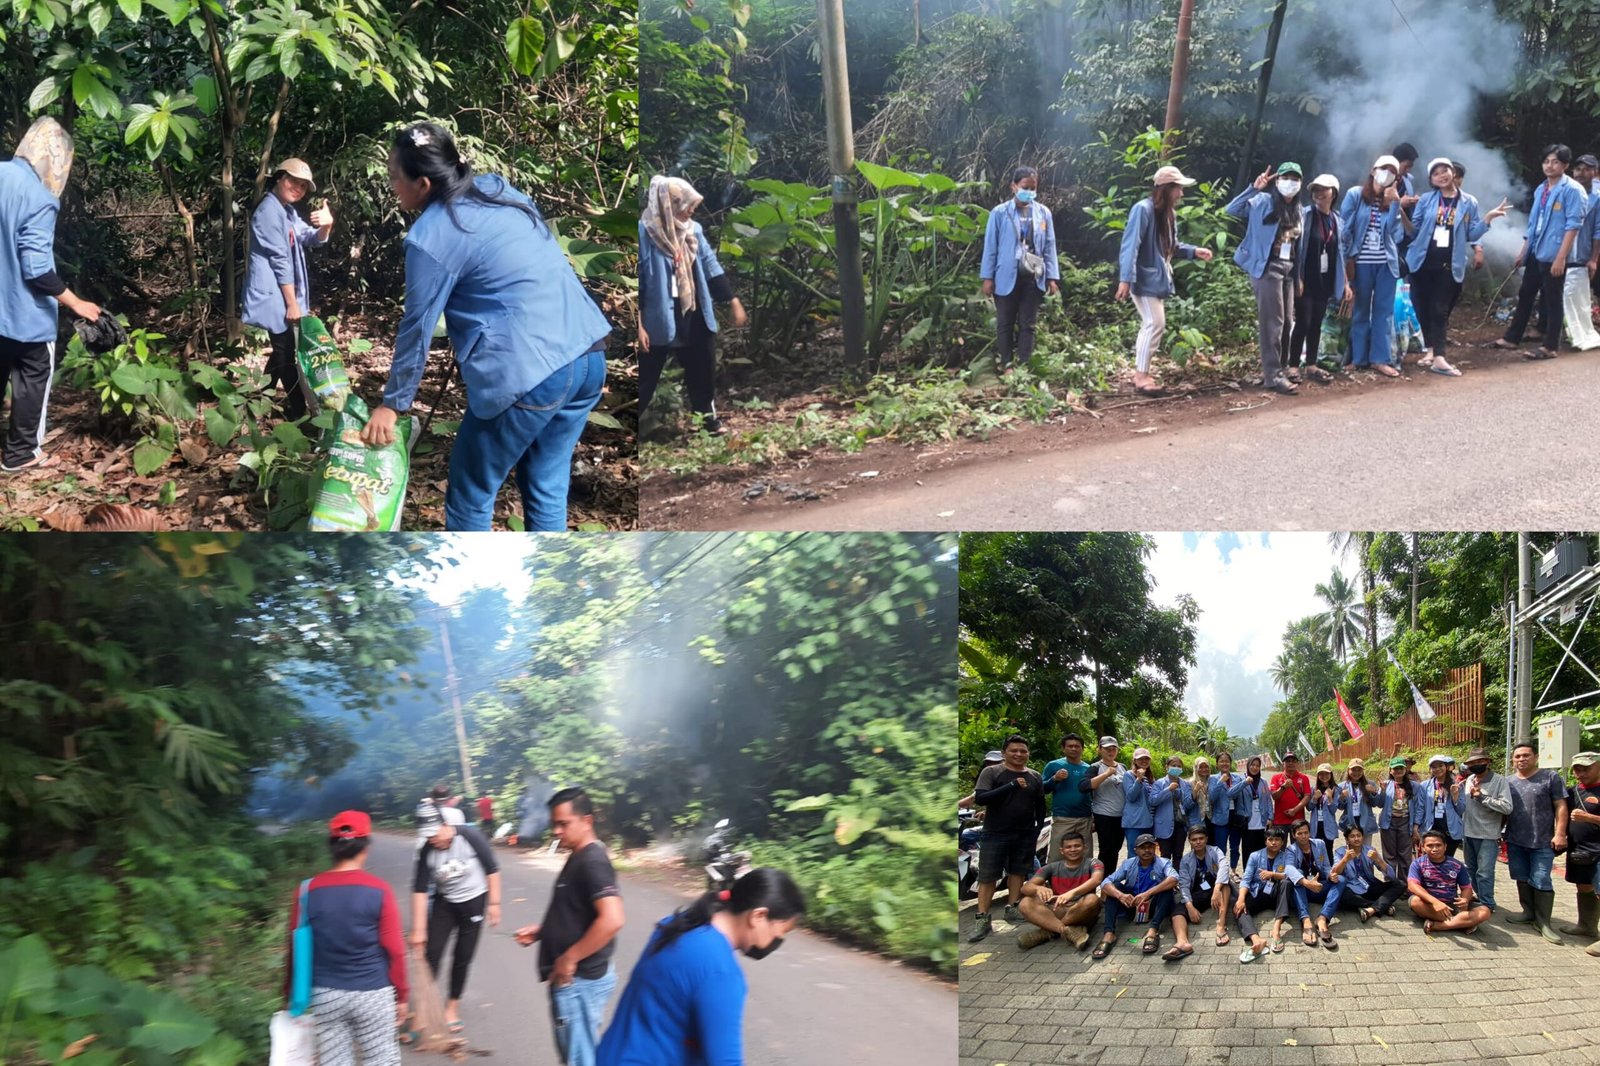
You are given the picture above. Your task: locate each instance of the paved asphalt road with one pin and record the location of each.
(812, 1003)
(1514, 447)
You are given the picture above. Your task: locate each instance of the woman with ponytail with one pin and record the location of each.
(684, 1004)
(529, 340)
(1144, 264)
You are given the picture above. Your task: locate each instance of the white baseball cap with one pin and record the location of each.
(1326, 181)
(1387, 161)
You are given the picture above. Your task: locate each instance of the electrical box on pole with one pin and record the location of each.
(1560, 738)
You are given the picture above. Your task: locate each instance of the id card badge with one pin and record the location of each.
(674, 286)
(1322, 264)
(1286, 251)
(1441, 236)
(1205, 886)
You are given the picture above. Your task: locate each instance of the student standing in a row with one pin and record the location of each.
(1013, 794)
(1149, 242)
(1578, 292)
(1019, 267)
(1323, 278)
(1106, 800)
(1066, 782)
(1372, 222)
(1270, 252)
(1447, 221)
(1559, 207)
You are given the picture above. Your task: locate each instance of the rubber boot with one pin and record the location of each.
(1543, 902)
(1525, 895)
(1588, 915)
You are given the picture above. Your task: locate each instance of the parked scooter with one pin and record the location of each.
(969, 831)
(724, 866)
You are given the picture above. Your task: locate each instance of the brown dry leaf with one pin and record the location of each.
(194, 453)
(77, 1047)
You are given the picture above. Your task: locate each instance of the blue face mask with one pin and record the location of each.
(1174, 771)
(1025, 196)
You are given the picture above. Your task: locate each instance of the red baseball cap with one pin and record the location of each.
(347, 825)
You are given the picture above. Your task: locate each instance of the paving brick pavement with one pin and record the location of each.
(1503, 995)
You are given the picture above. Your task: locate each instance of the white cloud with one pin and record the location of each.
(1249, 587)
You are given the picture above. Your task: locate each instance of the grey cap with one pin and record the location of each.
(1586, 161)
(1109, 742)
(994, 756)
(1586, 758)
(1143, 839)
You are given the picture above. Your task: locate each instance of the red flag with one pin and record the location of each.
(1349, 720)
(1325, 734)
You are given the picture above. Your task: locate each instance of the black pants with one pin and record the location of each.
(1015, 314)
(1108, 829)
(26, 371)
(1380, 895)
(1252, 841)
(1538, 284)
(283, 367)
(1309, 311)
(1434, 292)
(697, 355)
(466, 921)
(1172, 847)
(1277, 900)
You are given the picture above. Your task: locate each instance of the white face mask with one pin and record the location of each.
(1288, 187)
(1382, 178)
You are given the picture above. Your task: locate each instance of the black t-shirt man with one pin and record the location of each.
(1583, 838)
(586, 877)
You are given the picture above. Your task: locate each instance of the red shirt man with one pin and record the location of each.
(485, 812)
(1290, 790)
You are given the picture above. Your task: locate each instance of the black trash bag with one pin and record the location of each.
(101, 335)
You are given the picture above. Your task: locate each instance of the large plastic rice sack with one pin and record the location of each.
(321, 365)
(363, 490)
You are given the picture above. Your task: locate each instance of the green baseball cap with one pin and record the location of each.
(1290, 168)
(1396, 761)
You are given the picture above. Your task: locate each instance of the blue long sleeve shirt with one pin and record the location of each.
(512, 304)
(278, 240)
(1137, 812)
(1001, 239)
(1140, 263)
(1258, 207)
(1557, 210)
(1467, 229)
(1356, 806)
(683, 1006)
(1257, 863)
(1356, 217)
(1165, 803)
(655, 287)
(1424, 797)
(27, 233)
(1413, 813)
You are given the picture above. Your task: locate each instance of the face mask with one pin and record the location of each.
(1288, 187)
(1382, 178)
(1025, 196)
(761, 953)
(1173, 771)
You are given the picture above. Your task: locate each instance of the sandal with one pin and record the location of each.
(1316, 373)
(1444, 368)
(1223, 939)
(1284, 388)
(1308, 938)
(1175, 953)
(1102, 949)
(1249, 955)
(1503, 344)
(409, 1037)
(1277, 945)
(1152, 943)
(1328, 941)
(455, 1028)
(1386, 370)
(1366, 914)
(1427, 926)
(1152, 391)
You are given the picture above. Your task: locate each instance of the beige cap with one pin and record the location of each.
(1356, 764)
(297, 168)
(1324, 768)
(1171, 175)
(1585, 758)
(47, 148)
(1326, 181)
(1387, 161)
(1441, 161)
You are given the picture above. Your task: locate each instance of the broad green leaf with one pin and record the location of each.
(139, 124)
(26, 969)
(151, 455)
(525, 44)
(600, 418)
(558, 47)
(205, 94)
(99, 17)
(810, 803)
(131, 8)
(44, 94)
(887, 177)
(131, 378)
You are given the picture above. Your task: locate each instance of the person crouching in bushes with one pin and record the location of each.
(680, 280)
(1372, 221)
(1322, 275)
(1019, 267)
(1448, 221)
(1149, 241)
(1271, 252)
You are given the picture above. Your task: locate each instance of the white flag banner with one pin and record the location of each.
(1424, 708)
(1306, 746)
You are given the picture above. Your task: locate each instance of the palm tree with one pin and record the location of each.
(1280, 670)
(1342, 622)
(1343, 544)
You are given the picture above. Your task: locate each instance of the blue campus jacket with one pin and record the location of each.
(1386, 822)
(278, 239)
(1140, 262)
(1307, 215)
(1359, 872)
(1258, 207)
(1563, 210)
(1241, 800)
(655, 287)
(1137, 813)
(1218, 794)
(1318, 862)
(1126, 874)
(512, 304)
(1583, 244)
(1356, 807)
(1355, 218)
(28, 231)
(1468, 229)
(1000, 246)
(1165, 803)
(1324, 817)
(1259, 861)
(1452, 809)
(1216, 866)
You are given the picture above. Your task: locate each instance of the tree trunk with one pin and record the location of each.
(191, 258)
(265, 166)
(1414, 581)
(1367, 583)
(232, 117)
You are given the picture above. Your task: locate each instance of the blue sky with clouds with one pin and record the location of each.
(1249, 587)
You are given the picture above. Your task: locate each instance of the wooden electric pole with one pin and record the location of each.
(1180, 75)
(1247, 160)
(455, 704)
(842, 163)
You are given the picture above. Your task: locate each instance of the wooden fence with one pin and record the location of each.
(1459, 711)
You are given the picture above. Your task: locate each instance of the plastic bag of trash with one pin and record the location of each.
(1335, 343)
(362, 489)
(1407, 327)
(321, 365)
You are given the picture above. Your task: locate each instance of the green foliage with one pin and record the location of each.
(688, 90)
(142, 386)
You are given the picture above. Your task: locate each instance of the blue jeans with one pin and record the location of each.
(1531, 865)
(1129, 835)
(1373, 318)
(1219, 840)
(533, 437)
(576, 1011)
(1304, 897)
(1481, 855)
(1160, 909)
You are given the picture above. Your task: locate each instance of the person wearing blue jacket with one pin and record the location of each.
(684, 1003)
(1265, 885)
(1441, 802)
(1271, 251)
(1359, 799)
(1205, 882)
(1144, 266)
(1138, 814)
(680, 282)
(1252, 806)
(1170, 799)
(1371, 223)
(1202, 796)
(1559, 207)
(528, 338)
(1322, 808)
(1310, 867)
(1578, 291)
(1221, 820)
(1019, 267)
(1400, 817)
(1447, 221)
(1356, 866)
(1322, 276)
(277, 288)
(1144, 882)
(31, 184)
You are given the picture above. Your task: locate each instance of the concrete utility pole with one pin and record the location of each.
(842, 161)
(1180, 75)
(455, 704)
(1524, 694)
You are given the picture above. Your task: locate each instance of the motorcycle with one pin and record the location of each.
(969, 830)
(724, 866)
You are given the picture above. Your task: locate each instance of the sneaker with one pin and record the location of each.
(1077, 936)
(981, 927)
(1012, 914)
(1034, 937)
